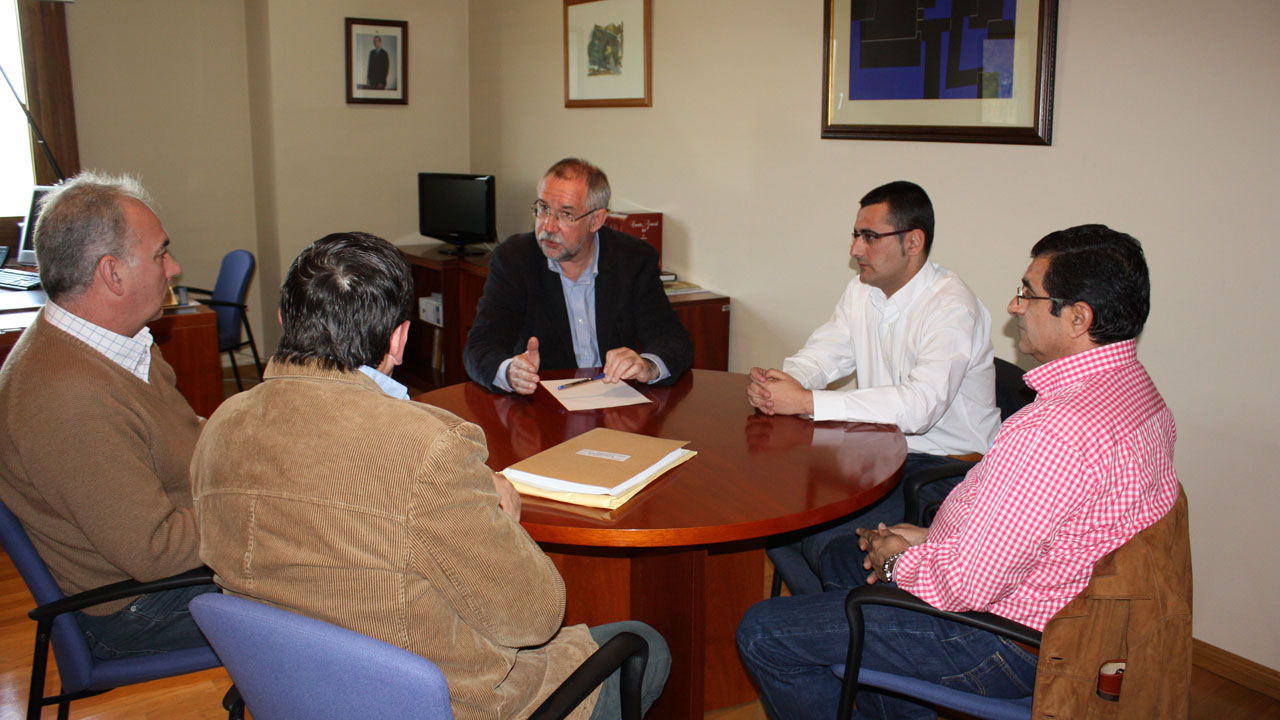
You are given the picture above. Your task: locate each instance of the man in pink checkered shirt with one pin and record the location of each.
(1070, 478)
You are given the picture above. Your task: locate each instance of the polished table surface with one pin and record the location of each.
(685, 554)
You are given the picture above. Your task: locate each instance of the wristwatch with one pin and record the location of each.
(889, 564)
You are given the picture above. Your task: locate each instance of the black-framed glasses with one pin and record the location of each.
(542, 211)
(1022, 294)
(870, 236)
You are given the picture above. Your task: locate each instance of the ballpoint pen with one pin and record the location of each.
(581, 382)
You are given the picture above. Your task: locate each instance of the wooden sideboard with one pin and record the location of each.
(187, 336)
(434, 355)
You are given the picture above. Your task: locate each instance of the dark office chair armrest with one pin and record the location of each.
(896, 597)
(118, 591)
(912, 485)
(626, 650)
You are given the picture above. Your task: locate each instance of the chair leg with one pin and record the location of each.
(236, 370)
(233, 704)
(777, 585)
(64, 710)
(39, 666)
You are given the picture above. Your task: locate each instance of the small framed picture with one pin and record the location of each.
(377, 61)
(608, 51)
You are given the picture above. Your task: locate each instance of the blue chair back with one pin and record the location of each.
(976, 705)
(291, 667)
(75, 661)
(233, 287)
(77, 668)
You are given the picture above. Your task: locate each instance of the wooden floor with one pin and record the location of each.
(199, 696)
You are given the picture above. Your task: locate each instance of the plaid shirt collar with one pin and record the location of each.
(131, 353)
(1060, 373)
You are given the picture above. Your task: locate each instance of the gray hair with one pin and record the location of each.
(82, 221)
(598, 192)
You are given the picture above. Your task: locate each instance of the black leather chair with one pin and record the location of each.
(1012, 394)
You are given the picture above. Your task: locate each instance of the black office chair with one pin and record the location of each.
(1012, 394)
(227, 298)
(82, 674)
(293, 667)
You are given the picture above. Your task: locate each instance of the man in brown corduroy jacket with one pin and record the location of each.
(326, 491)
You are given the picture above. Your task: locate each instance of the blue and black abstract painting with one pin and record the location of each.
(931, 49)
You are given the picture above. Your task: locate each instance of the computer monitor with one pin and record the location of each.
(457, 208)
(26, 243)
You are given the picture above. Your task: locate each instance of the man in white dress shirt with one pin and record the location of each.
(920, 343)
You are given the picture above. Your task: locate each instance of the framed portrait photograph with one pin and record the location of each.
(607, 53)
(956, 70)
(377, 61)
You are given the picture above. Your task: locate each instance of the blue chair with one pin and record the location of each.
(291, 667)
(976, 705)
(82, 675)
(227, 298)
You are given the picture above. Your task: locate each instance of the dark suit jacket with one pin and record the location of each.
(523, 298)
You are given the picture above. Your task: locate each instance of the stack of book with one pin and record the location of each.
(600, 468)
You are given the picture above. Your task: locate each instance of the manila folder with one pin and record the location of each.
(599, 462)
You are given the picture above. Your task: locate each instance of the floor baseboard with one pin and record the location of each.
(1241, 671)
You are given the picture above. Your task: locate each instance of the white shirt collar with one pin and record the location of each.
(131, 353)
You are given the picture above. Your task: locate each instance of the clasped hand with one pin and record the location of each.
(884, 542)
(774, 392)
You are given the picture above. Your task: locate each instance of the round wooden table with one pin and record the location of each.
(685, 554)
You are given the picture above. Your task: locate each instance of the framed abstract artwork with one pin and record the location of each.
(608, 52)
(942, 70)
(377, 61)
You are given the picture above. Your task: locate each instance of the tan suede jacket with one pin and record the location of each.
(318, 493)
(1137, 608)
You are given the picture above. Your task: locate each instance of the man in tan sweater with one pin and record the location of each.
(95, 439)
(326, 491)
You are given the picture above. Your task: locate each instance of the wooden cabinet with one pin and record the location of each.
(433, 357)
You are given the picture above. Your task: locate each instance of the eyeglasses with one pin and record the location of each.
(870, 237)
(1022, 294)
(542, 211)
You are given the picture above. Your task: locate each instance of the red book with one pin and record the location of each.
(644, 225)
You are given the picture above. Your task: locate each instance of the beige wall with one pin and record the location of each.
(1164, 127)
(160, 93)
(234, 114)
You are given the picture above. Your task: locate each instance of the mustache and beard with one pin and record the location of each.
(564, 254)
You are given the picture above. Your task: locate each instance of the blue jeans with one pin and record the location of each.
(789, 644)
(609, 702)
(800, 562)
(153, 623)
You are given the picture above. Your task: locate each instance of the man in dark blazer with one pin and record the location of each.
(572, 294)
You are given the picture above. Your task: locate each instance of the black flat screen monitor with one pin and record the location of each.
(26, 244)
(458, 209)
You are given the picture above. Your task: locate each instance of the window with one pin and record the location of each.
(15, 145)
(42, 27)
